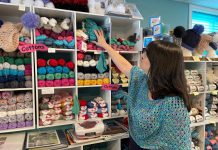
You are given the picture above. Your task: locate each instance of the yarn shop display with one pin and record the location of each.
(92, 70)
(195, 138)
(16, 110)
(211, 137)
(55, 72)
(97, 108)
(118, 77)
(55, 107)
(55, 33)
(120, 44)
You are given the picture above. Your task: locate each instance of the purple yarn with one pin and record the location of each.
(21, 124)
(46, 1)
(29, 123)
(3, 126)
(12, 125)
(30, 20)
(198, 28)
(5, 1)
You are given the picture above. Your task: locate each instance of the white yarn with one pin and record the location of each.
(28, 2)
(50, 5)
(52, 22)
(39, 3)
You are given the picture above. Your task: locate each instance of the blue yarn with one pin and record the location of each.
(58, 69)
(21, 39)
(90, 104)
(41, 71)
(99, 110)
(49, 41)
(207, 141)
(40, 42)
(65, 43)
(198, 28)
(30, 20)
(20, 73)
(11, 78)
(66, 70)
(50, 70)
(5, 72)
(3, 79)
(71, 44)
(119, 106)
(1, 73)
(195, 134)
(41, 38)
(13, 72)
(58, 42)
(21, 78)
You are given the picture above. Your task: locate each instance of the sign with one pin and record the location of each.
(27, 48)
(110, 87)
(157, 30)
(51, 50)
(147, 40)
(154, 21)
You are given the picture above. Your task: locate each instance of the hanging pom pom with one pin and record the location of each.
(30, 20)
(198, 28)
(179, 32)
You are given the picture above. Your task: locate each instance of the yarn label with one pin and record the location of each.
(28, 48)
(110, 87)
(51, 50)
(48, 90)
(84, 46)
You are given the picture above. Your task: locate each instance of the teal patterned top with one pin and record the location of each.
(156, 124)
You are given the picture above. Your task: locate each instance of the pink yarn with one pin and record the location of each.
(28, 67)
(69, 38)
(49, 83)
(6, 95)
(28, 72)
(41, 83)
(71, 81)
(65, 82)
(209, 147)
(216, 138)
(213, 141)
(57, 83)
(37, 32)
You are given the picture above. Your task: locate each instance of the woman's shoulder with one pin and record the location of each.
(173, 104)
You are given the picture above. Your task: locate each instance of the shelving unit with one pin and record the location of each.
(12, 13)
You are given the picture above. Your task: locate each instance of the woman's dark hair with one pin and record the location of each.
(166, 74)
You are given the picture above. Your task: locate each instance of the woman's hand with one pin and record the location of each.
(101, 40)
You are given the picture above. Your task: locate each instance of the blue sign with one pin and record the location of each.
(147, 40)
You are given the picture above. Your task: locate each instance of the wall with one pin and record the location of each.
(171, 12)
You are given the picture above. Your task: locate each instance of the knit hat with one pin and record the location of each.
(192, 37)
(178, 34)
(9, 36)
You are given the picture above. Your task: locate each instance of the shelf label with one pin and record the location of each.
(195, 93)
(48, 90)
(110, 87)
(51, 50)
(22, 7)
(125, 85)
(27, 48)
(215, 92)
(97, 52)
(196, 58)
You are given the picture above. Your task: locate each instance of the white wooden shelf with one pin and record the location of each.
(17, 129)
(17, 89)
(59, 87)
(90, 86)
(59, 123)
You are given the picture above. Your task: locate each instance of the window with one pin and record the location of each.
(207, 17)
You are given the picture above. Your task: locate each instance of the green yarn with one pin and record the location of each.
(27, 61)
(76, 106)
(64, 76)
(2, 60)
(41, 77)
(50, 76)
(10, 60)
(57, 76)
(71, 74)
(19, 61)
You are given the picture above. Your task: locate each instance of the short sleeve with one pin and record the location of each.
(138, 78)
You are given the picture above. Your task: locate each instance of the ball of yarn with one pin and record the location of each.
(66, 70)
(50, 76)
(57, 76)
(41, 62)
(70, 65)
(80, 56)
(71, 82)
(41, 71)
(41, 83)
(30, 20)
(19, 61)
(52, 62)
(61, 62)
(49, 83)
(65, 82)
(80, 82)
(198, 28)
(58, 69)
(50, 69)
(57, 83)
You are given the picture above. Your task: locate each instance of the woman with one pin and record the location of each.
(157, 98)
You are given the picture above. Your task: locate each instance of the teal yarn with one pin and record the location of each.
(41, 71)
(102, 64)
(59, 69)
(41, 77)
(49, 76)
(2, 60)
(58, 42)
(66, 70)
(65, 43)
(19, 61)
(71, 44)
(21, 39)
(41, 38)
(6, 58)
(49, 41)
(27, 61)
(57, 76)
(50, 70)
(71, 74)
(64, 76)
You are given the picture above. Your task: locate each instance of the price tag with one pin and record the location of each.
(84, 46)
(110, 87)
(195, 93)
(97, 52)
(51, 50)
(215, 92)
(196, 58)
(22, 7)
(48, 90)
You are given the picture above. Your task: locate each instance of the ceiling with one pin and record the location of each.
(205, 3)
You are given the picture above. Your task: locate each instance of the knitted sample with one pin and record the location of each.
(162, 124)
